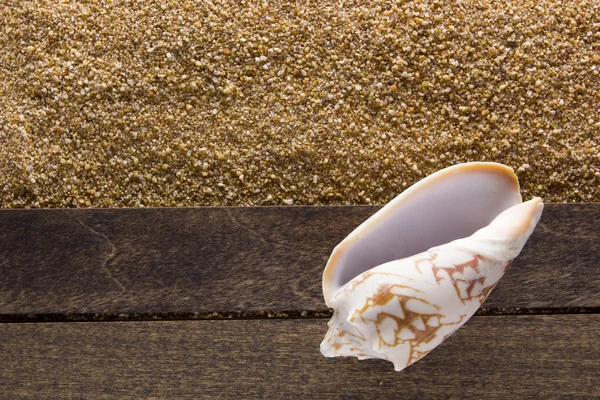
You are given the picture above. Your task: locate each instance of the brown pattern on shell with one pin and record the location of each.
(384, 295)
(416, 355)
(343, 333)
(430, 258)
(460, 268)
(350, 286)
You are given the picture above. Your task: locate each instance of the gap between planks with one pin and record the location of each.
(201, 316)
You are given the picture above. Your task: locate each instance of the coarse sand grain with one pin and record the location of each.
(210, 103)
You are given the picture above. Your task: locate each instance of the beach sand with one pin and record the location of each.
(211, 103)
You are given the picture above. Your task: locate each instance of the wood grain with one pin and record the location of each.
(244, 259)
(504, 357)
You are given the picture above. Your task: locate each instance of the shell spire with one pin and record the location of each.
(401, 309)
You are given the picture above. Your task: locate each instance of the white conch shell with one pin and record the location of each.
(395, 301)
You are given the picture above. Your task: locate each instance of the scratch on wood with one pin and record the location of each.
(261, 238)
(240, 225)
(113, 249)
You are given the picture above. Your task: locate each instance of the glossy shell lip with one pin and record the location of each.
(499, 170)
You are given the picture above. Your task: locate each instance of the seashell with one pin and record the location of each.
(418, 269)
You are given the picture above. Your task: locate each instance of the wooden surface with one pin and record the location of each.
(502, 357)
(261, 268)
(244, 259)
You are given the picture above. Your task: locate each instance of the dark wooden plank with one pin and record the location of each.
(505, 357)
(244, 259)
